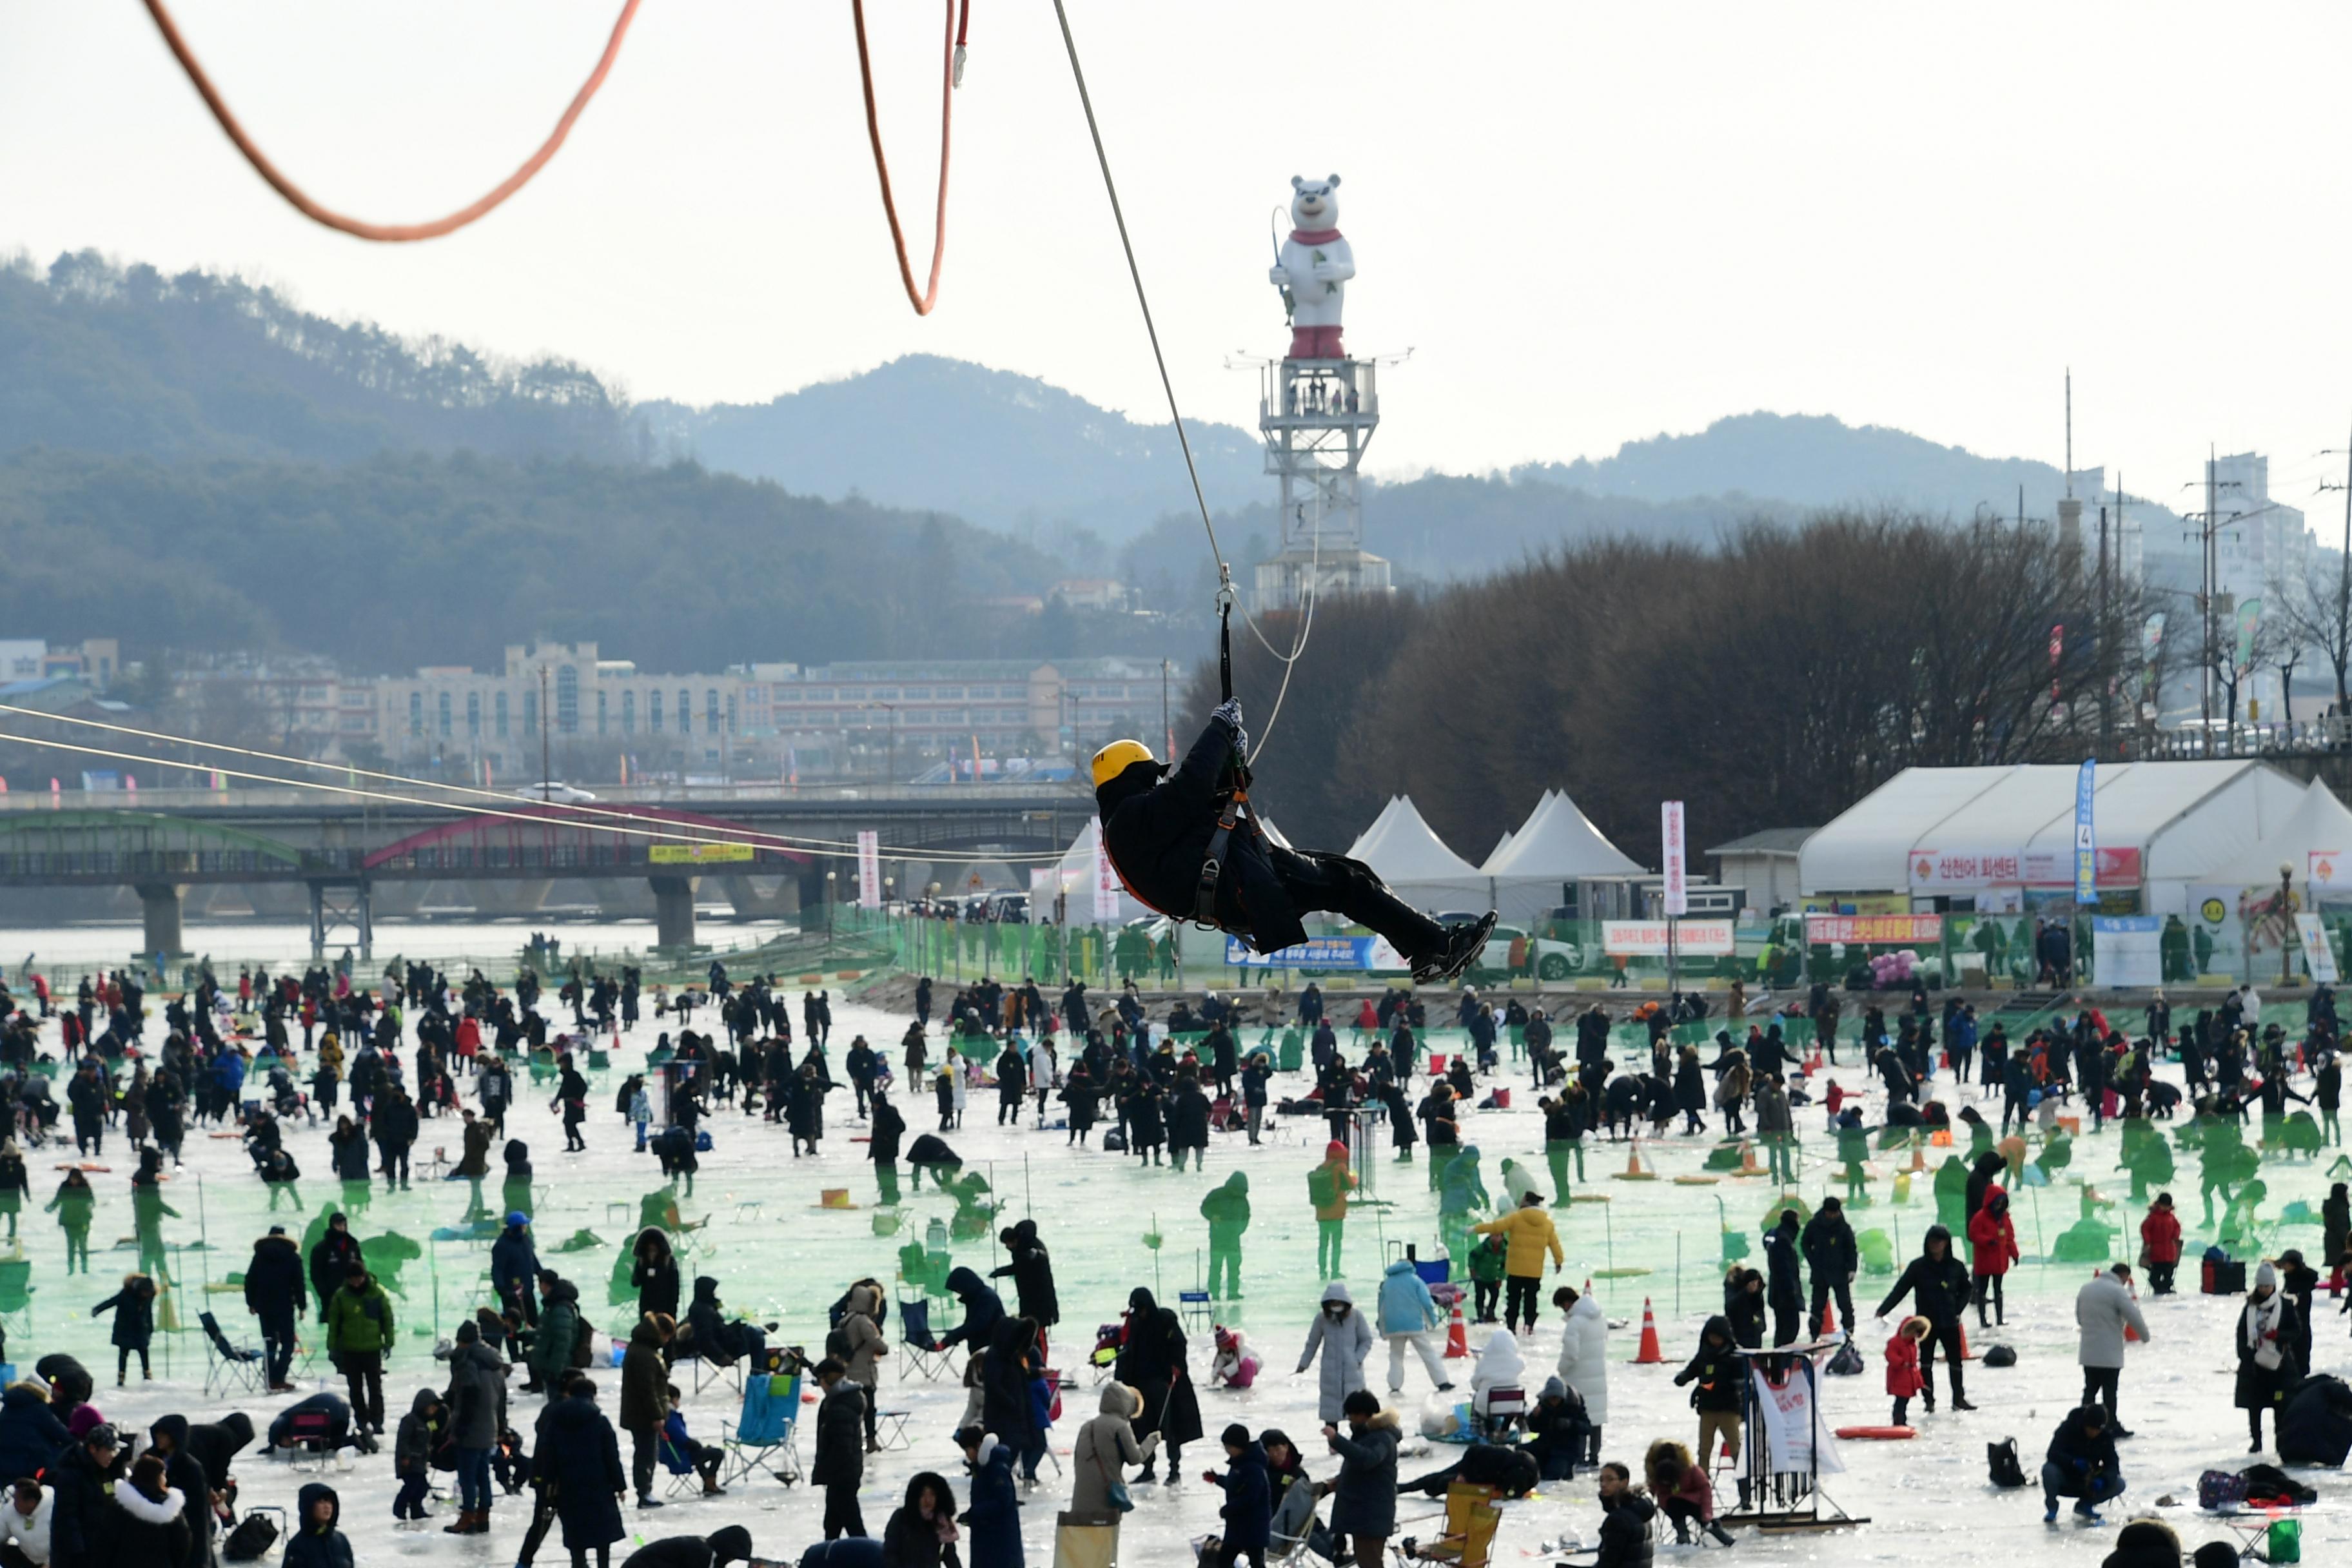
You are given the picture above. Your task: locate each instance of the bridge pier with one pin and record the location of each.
(751, 902)
(674, 912)
(334, 906)
(159, 907)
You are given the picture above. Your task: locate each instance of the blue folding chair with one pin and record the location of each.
(926, 1357)
(765, 1439)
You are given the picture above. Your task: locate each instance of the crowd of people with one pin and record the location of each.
(368, 1067)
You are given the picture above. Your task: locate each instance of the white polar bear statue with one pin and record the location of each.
(1315, 267)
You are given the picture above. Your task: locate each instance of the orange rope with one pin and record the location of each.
(931, 295)
(397, 232)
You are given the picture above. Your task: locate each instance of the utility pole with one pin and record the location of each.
(2343, 582)
(546, 779)
(1168, 730)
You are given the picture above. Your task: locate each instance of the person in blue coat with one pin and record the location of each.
(1248, 1513)
(514, 1267)
(31, 1435)
(993, 1519)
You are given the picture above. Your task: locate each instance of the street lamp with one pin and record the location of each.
(2286, 921)
(829, 879)
(888, 883)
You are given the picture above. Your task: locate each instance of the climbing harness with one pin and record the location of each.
(952, 73)
(1233, 802)
(389, 233)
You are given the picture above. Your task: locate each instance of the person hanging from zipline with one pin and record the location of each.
(1185, 842)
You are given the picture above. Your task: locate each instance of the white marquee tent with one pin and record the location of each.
(1990, 832)
(1556, 844)
(1412, 859)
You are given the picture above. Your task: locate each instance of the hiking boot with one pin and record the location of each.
(1960, 1403)
(1722, 1537)
(1461, 947)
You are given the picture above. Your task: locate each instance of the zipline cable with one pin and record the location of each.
(1226, 595)
(951, 72)
(391, 233)
(543, 815)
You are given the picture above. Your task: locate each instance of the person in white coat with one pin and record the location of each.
(2102, 1310)
(1344, 1335)
(25, 1525)
(1500, 1365)
(1408, 1316)
(1584, 1359)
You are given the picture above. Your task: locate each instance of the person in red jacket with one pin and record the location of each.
(2160, 1239)
(1903, 1379)
(1993, 1240)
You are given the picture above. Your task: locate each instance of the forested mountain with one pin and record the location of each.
(409, 559)
(1004, 450)
(156, 380)
(101, 358)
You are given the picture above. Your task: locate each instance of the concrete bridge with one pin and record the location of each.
(508, 852)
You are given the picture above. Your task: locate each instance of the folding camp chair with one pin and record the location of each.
(924, 1355)
(1194, 1308)
(1506, 1408)
(228, 1367)
(1471, 1520)
(313, 1437)
(684, 1479)
(765, 1437)
(17, 1288)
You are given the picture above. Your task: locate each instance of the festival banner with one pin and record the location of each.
(2128, 948)
(695, 854)
(2319, 953)
(1864, 929)
(1107, 886)
(869, 868)
(2086, 871)
(1796, 1439)
(1670, 834)
(1647, 939)
(1346, 953)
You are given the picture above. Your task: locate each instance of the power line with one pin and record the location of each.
(628, 824)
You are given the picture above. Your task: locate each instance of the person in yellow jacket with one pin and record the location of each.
(1528, 1232)
(1328, 1186)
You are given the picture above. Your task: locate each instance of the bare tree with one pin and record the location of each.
(2314, 608)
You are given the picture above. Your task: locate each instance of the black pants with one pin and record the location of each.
(1948, 1335)
(2099, 1383)
(1519, 1297)
(1989, 1293)
(277, 1346)
(841, 1515)
(1786, 1327)
(363, 1370)
(1352, 889)
(1823, 1290)
(2160, 1278)
(642, 1446)
(123, 1354)
(1485, 1291)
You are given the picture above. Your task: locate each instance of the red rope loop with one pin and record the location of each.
(930, 296)
(394, 233)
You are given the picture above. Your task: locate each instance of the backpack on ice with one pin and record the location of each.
(253, 1536)
(2219, 1490)
(2001, 1458)
(1848, 1361)
(1999, 1355)
(1113, 1142)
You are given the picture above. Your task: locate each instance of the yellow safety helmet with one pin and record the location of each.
(1116, 758)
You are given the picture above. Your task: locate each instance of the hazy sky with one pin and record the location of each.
(1592, 222)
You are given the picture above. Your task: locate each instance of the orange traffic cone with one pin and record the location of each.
(1965, 1353)
(1813, 1062)
(1918, 1157)
(1457, 1338)
(2131, 1335)
(1747, 1162)
(1650, 1354)
(1829, 1321)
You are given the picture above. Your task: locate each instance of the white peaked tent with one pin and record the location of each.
(2315, 840)
(1412, 858)
(1556, 846)
(1076, 876)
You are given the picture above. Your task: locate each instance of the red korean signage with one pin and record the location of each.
(2118, 865)
(1866, 929)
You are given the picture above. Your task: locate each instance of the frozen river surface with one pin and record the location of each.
(781, 1256)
